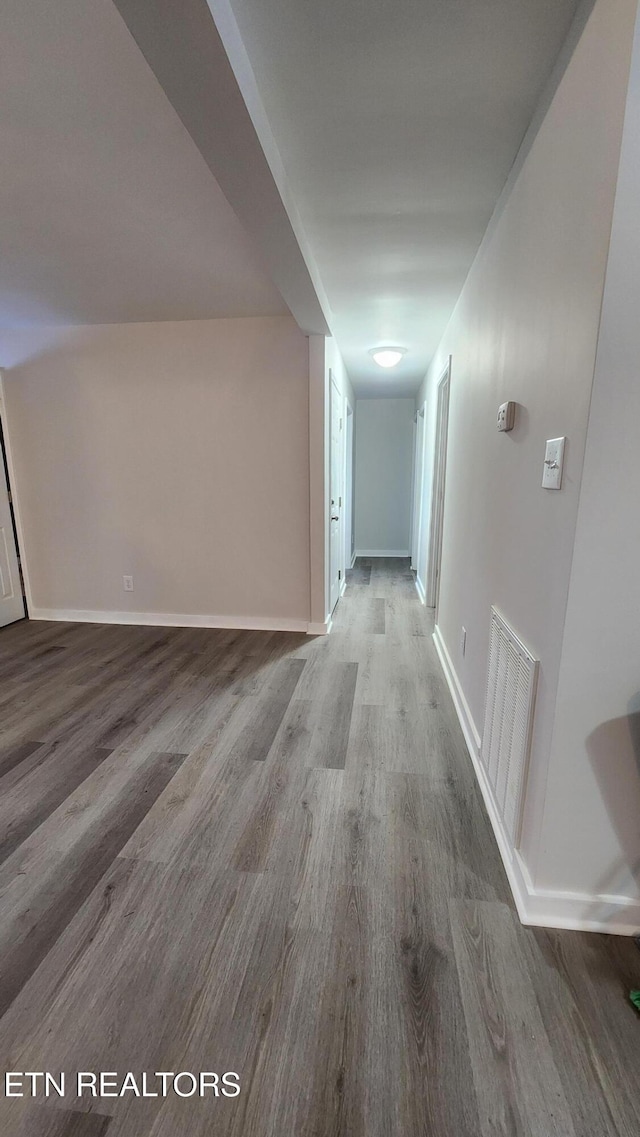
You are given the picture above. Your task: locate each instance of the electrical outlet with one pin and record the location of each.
(127, 583)
(506, 416)
(463, 641)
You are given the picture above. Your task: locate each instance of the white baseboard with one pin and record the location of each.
(578, 911)
(469, 728)
(382, 553)
(173, 620)
(318, 629)
(353, 559)
(546, 908)
(343, 587)
(420, 589)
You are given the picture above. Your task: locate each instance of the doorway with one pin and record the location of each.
(336, 493)
(12, 606)
(418, 495)
(349, 519)
(437, 497)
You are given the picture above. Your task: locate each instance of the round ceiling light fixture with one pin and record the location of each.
(388, 356)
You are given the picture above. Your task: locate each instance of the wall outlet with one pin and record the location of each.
(463, 641)
(127, 583)
(506, 416)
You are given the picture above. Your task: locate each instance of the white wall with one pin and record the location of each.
(525, 329)
(175, 452)
(590, 831)
(383, 472)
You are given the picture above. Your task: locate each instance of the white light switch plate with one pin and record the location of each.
(553, 460)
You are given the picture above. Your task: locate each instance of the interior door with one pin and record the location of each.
(439, 480)
(349, 527)
(11, 602)
(418, 486)
(335, 559)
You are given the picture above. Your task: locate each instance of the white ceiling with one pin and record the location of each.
(397, 122)
(108, 211)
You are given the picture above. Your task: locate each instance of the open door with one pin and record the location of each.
(335, 530)
(349, 527)
(437, 498)
(418, 490)
(11, 601)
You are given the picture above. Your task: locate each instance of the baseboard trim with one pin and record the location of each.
(579, 911)
(343, 587)
(319, 629)
(172, 620)
(537, 907)
(382, 553)
(420, 589)
(469, 728)
(353, 559)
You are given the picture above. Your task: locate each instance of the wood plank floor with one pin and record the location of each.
(265, 853)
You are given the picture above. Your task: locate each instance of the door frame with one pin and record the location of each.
(348, 512)
(418, 487)
(438, 491)
(336, 394)
(6, 458)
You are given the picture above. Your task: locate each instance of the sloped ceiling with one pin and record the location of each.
(108, 211)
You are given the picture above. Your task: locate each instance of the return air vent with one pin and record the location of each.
(511, 689)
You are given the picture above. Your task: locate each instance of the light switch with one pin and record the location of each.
(553, 459)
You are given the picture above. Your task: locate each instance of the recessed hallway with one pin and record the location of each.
(264, 853)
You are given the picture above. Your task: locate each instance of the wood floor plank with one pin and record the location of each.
(376, 621)
(42, 887)
(582, 985)
(38, 786)
(518, 1087)
(14, 755)
(360, 574)
(33, 1120)
(257, 736)
(334, 708)
(253, 848)
(435, 1050)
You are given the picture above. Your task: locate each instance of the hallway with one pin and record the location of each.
(264, 853)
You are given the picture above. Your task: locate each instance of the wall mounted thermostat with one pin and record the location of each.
(553, 459)
(506, 416)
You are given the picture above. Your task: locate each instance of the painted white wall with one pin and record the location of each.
(383, 473)
(175, 452)
(590, 831)
(525, 328)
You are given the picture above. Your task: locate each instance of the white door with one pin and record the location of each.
(11, 603)
(439, 481)
(335, 559)
(418, 468)
(349, 528)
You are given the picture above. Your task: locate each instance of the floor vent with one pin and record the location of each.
(511, 690)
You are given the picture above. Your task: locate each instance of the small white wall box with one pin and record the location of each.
(506, 416)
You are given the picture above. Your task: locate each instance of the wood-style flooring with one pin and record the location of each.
(266, 853)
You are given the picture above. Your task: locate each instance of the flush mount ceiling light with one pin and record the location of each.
(388, 356)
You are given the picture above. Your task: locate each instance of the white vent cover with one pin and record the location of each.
(511, 689)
